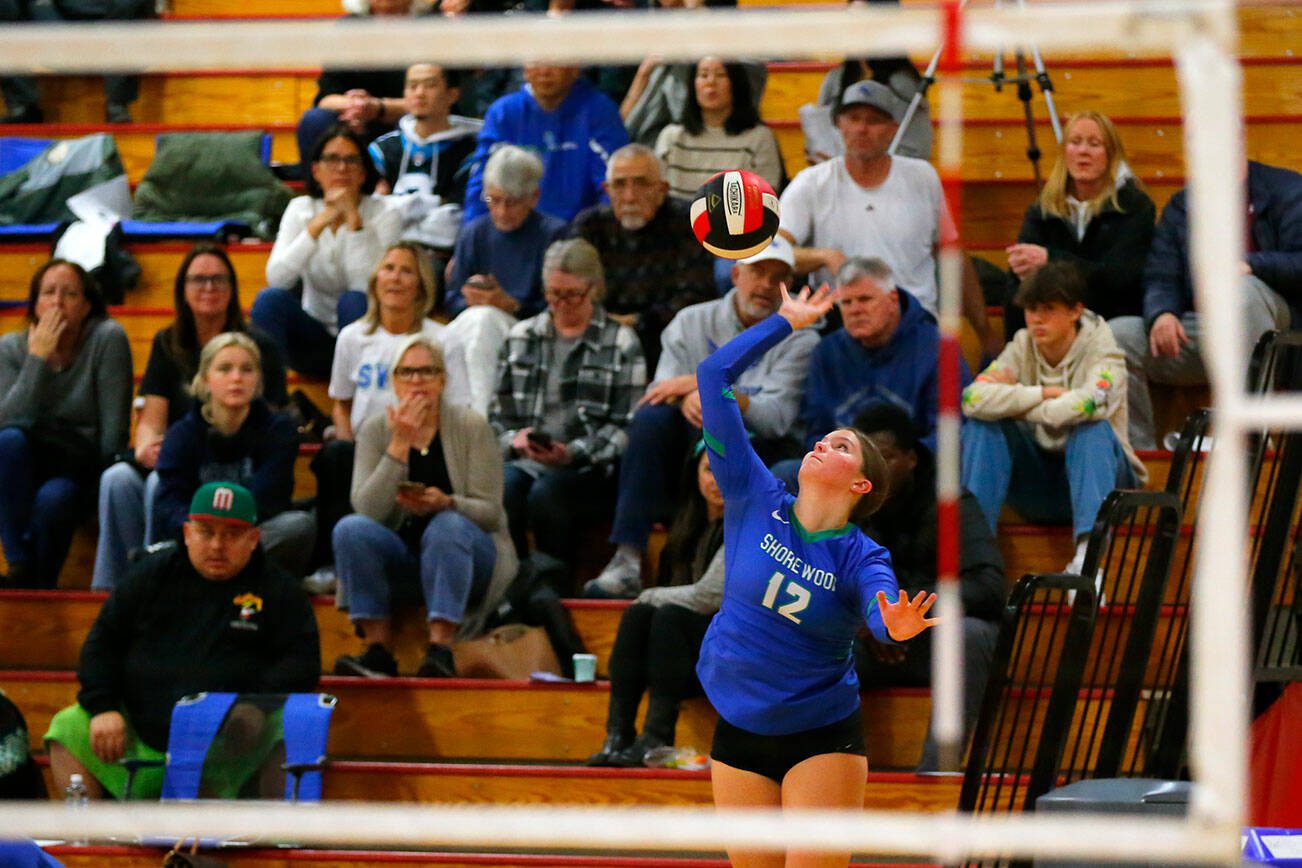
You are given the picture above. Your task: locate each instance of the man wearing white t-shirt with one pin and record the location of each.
(869, 203)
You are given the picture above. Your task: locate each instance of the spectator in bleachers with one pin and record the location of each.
(170, 629)
(426, 159)
(658, 93)
(721, 129)
(1164, 345)
(329, 242)
(1092, 212)
(65, 412)
(21, 94)
(496, 272)
(886, 351)
(231, 433)
(400, 295)
(1046, 426)
(568, 382)
(899, 74)
(906, 526)
(430, 149)
(427, 486)
(870, 203)
(367, 101)
(659, 636)
(573, 127)
(654, 265)
(206, 299)
(668, 417)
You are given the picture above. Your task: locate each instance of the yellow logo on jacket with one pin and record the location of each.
(250, 605)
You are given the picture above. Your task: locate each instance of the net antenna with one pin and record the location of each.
(998, 78)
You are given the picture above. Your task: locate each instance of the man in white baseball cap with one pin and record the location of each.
(669, 418)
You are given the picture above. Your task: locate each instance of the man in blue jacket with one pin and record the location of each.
(887, 351)
(572, 126)
(1164, 345)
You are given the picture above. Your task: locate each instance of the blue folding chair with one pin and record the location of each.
(231, 726)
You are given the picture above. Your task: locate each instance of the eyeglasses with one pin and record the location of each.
(565, 295)
(502, 201)
(422, 372)
(61, 292)
(215, 281)
(335, 161)
(639, 183)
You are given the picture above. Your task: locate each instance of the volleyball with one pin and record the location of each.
(735, 214)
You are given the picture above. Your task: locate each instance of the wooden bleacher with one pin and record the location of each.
(419, 740)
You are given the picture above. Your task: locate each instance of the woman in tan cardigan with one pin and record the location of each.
(427, 487)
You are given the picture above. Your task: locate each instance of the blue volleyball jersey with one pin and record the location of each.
(777, 656)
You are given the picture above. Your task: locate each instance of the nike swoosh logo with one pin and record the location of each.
(779, 518)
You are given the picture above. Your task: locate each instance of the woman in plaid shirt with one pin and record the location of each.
(568, 382)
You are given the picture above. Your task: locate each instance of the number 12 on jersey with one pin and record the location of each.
(799, 594)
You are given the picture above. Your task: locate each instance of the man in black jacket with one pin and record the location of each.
(212, 616)
(906, 526)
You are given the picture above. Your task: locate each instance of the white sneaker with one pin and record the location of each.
(1076, 565)
(621, 579)
(323, 581)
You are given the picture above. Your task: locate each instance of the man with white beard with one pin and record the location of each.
(654, 265)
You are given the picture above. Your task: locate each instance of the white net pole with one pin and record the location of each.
(592, 38)
(1210, 85)
(947, 838)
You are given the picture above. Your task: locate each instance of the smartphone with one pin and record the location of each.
(409, 487)
(541, 439)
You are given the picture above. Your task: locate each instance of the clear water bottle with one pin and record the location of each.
(75, 795)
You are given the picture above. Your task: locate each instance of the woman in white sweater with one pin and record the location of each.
(329, 243)
(721, 129)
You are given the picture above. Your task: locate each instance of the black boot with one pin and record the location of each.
(615, 743)
(634, 756)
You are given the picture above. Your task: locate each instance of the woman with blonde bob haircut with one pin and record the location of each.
(1092, 213)
(232, 434)
(399, 298)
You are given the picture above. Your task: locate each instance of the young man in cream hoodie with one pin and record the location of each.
(1046, 427)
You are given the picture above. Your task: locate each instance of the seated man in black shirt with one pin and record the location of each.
(212, 616)
(906, 526)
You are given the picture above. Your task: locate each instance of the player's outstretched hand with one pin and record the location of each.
(806, 308)
(906, 618)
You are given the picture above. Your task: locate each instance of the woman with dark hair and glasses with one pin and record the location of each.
(329, 242)
(65, 411)
(206, 299)
(721, 129)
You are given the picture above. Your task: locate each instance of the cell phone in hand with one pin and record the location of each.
(409, 487)
(541, 439)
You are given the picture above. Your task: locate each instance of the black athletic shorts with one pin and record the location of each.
(774, 755)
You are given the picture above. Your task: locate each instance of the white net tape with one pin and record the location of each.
(1201, 33)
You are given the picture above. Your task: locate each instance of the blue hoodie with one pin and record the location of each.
(845, 376)
(574, 142)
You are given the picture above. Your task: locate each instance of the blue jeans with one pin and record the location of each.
(1002, 461)
(126, 507)
(452, 569)
(555, 506)
(306, 344)
(658, 438)
(39, 510)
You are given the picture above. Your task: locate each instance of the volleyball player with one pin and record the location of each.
(801, 579)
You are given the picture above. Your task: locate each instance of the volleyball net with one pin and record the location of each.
(1201, 38)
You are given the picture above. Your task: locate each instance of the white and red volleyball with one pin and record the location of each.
(735, 214)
